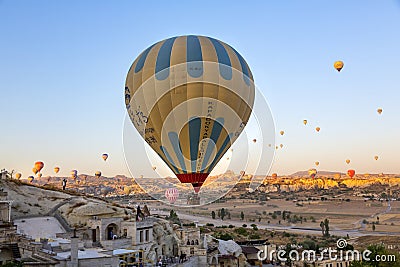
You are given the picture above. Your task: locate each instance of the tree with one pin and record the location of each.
(326, 223)
(219, 213)
(322, 225)
(242, 215)
(213, 214)
(223, 213)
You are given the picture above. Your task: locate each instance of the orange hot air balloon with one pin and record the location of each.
(39, 175)
(39, 165)
(351, 173)
(317, 129)
(347, 161)
(104, 156)
(34, 170)
(304, 122)
(376, 157)
(379, 110)
(274, 175)
(317, 163)
(282, 132)
(18, 175)
(56, 169)
(338, 65)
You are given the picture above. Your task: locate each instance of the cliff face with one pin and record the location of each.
(165, 239)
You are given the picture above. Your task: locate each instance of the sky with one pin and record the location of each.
(63, 66)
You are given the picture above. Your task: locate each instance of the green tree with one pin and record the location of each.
(213, 214)
(326, 223)
(242, 215)
(223, 213)
(322, 225)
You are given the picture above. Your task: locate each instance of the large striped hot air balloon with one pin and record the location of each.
(172, 195)
(190, 97)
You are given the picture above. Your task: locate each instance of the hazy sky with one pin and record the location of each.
(63, 66)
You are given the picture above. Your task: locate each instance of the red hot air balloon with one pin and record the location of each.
(172, 195)
(351, 173)
(39, 165)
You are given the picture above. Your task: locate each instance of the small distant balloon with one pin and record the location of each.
(242, 173)
(39, 174)
(317, 129)
(317, 163)
(347, 161)
(269, 145)
(30, 179)
(281, 145)
(172, 195)
(254, 140)
(337, 175)
(338, 65)
(104, 156)
(18, 175)
(154, 168)
(304, 122)
(97, 174)
(282, 132)
(74, 174)
(379, 110)
(127, 190)
(376, 157)
(351, 173)
(56, 169)
(274, 175)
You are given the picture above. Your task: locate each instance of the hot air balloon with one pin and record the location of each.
(338, 65)
(154, 168)
(304, 122)
(18, 175)
(127, 190)
(376, 157)
(34, 170)
(276, 147)
(347, 161)
(97, 174)
(337, 175)
(317, 129)
(274, 175)
(316, 163)
(269, 145)
(254, 140)
(312, 173)
(39, 174)
(56, 169)
(104, 156)
(379, 110)
(351, 173)
(281, 145)
(39, 165)
(74, 174)
(172, 195)
(30, 179)
(282, 132)
(242, 173)
(190, 98)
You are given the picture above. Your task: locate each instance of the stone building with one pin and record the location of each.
(8, 232)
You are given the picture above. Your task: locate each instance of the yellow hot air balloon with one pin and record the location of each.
(337, 175)
(317, 129)
(281, 145)
(30, 179)
(18, 175)
(56, 169)
(282, 132)
(104, 156)
(338, 65)
(190, 98)
(34, 170)
(74, 174)
(379, 110)
(97, 174)
(127, 190)
(304, 122)
(347, 161)
(317, 163)
(376, 157)
(312, 173)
